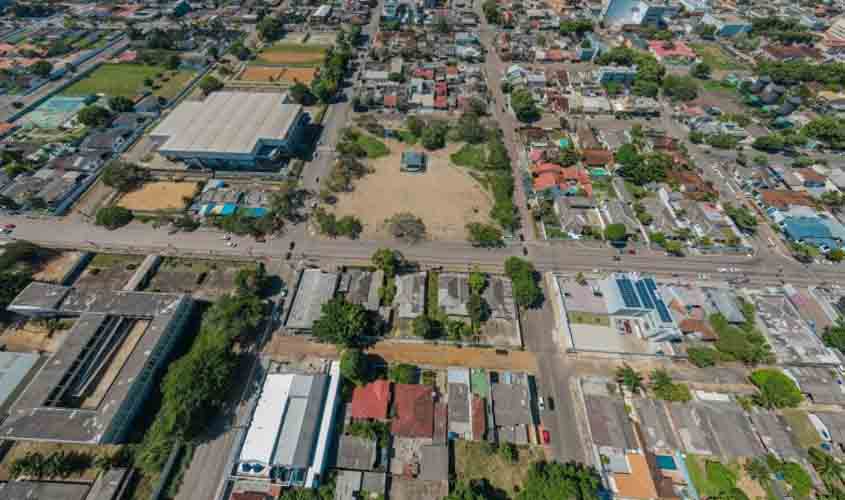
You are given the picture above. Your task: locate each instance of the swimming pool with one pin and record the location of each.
(666, 462)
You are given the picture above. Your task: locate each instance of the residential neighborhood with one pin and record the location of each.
(422, 250)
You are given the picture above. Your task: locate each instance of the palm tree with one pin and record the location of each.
(829, 469)
(629, 378)
(757, 470)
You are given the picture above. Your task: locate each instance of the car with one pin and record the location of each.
(524, 251)
(617, 258)
(9, 226)
(632, 252)
(550, 402)
(287, 256)
(292, 245)
(547, 438)
(541, 403)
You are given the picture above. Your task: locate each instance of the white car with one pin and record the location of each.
(541, 403)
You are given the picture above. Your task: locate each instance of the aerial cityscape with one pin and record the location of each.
(422, 249)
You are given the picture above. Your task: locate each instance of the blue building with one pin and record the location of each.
(616, 74)
(819, 231)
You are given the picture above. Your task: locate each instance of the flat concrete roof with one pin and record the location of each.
(228, 123)
(511, 404)
(18, 490)
(41, 412)
(14, 367)
(609, 423)
(356, 453)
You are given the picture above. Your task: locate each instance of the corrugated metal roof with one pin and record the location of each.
(290, 435)
(267, 419)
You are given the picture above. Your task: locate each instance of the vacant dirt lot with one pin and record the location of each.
(473, 461)
(56, 268)
(276, 74)
(158, 196)
(445, 197)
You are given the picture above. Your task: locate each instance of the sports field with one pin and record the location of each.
(277, 74)
(127, 80)
(293, 54)
(155, 196)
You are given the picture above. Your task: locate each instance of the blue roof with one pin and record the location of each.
(629, 296)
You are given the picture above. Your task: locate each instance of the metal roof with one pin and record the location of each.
(228, 122)
(14, 366)
(267, 419)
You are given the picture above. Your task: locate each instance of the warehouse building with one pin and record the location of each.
(232, 129)
(91, 389)
(287, 439)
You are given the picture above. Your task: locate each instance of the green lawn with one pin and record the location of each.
(127, 80)
(703, 486)
(715, 57)
(470, 156)
(374, 147)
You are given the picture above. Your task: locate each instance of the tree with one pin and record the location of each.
(701, 71)
(702, 356)
(353, 366)
(173, 62)
(484, 235)
(830, 470)
(113, 217)
(124, 177)
(94, 116)
(674, 247)
(771, 142)
(554, 481)
(523, 105)
(121, 104)
(406, 226)
(680, 88)
(575, 27)
(210, 84)
(42, 68)
(775, 389)
(834, 336)
(424, 327)
(299, 93)
(434, 136)
(836, 255)
(388, 260)
(615, 232)
(526, 292)
(477, 309)
(742, 217)
(629, 378)
(470, 128)
(477, 281)
(402, 373)
(252, 280)
(664, 388)
(270, 28)
(340, 323)
(415, 125)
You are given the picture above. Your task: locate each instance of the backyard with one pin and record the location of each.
(127, 80)
(715, 57)
(446, 198)
(476, 460)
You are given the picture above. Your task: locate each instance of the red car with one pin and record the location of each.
(547, 438)
(9, 226)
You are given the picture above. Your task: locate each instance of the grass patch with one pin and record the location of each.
(127, 80)
(374, 147)
(802, 428)
(715, 57)
(432, 301)
(107, 260)
(477, 460)
(703, 486)
(470, 156)
(718, 87)
(407, 137)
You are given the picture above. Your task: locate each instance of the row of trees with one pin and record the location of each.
(544, 481)
(197, 384)
(661, 384)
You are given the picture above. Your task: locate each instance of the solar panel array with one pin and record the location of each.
(629, 296)
(662, 310)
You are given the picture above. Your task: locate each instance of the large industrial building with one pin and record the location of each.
(291, 428)
(91, 390)
(232, 130)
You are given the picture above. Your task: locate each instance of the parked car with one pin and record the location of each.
(547, 438)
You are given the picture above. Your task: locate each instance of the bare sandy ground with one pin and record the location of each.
(445, 197)
(158, 196)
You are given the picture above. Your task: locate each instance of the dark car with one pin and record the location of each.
(292, 245)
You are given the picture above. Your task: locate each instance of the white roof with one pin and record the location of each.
(228, 122)
(267, 419)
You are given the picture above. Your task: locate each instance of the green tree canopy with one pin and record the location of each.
(113, 217)
(526, 291)
(775, 389)
(353, 366)
(94, 116)
(556, 481)
(340, 323)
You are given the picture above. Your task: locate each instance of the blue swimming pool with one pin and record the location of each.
(666, 462)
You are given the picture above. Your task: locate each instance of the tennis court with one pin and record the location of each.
(53, 112)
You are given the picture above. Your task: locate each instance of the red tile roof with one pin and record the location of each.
(781, 199)
(671, 49)
(391, 101)
(441, 102)
(414, 406)
(597, 157)
(371, 401)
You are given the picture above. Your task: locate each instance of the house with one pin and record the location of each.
(554, 180)
(676, 51)
(635, 483)
(727, 25)
(371, 402)
(790, 52)
(615, 74)
(783, 200)
(414, 409)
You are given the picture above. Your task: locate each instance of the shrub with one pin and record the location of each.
(702, 356)
(775, 389)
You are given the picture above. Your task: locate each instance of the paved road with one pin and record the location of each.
(494, 68)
